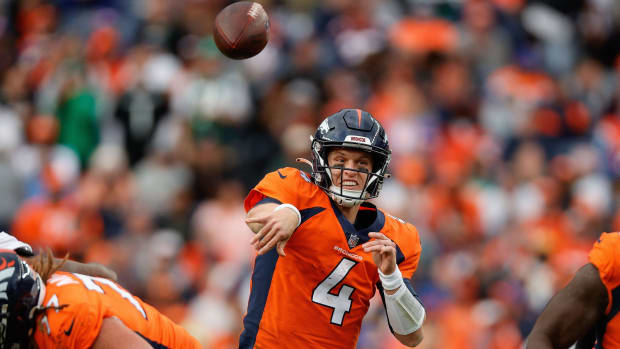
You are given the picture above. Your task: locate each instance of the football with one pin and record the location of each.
(241, 29)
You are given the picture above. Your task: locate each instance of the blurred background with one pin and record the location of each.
(126, 138)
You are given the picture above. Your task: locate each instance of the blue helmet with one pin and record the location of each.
(20, 291)
(353, 129)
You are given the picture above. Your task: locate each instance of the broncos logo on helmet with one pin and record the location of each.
(353, 129)
(21, 290)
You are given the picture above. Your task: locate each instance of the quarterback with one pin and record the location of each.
(323, 250)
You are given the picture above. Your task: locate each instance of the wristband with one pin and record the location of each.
(293, 208)
(393, 281)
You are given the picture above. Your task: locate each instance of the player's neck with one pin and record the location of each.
(350, 213)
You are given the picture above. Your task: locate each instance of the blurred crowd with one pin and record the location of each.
(126, 138)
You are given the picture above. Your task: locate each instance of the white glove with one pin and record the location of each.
(9, 242)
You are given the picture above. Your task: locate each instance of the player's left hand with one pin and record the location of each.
(383, 252)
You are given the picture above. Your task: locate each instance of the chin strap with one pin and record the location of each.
(334, 190)
(344, 201)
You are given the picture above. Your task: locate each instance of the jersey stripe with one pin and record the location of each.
(308, 213)
(154, 344)
(267, 200)
(602, 325)
(400, 257)
(410, 288)
(261, 282)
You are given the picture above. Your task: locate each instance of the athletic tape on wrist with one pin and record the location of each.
(293, 208)
(405, 312)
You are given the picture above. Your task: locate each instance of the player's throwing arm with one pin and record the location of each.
(273, 225)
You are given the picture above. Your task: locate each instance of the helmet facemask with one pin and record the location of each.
(322, 172)
(352, 129)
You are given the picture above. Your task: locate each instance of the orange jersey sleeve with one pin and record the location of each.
(605, 257)
(285, 185)
(407, 240)
(82, 302)
(76, 321)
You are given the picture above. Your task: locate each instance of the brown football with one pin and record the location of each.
(241, 29)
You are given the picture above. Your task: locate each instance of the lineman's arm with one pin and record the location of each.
(25, 251)
(115, 335)
(572, 312)
(91, 269)
(273, 225)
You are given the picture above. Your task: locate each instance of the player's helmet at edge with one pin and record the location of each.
(21, 291)
(352, 129)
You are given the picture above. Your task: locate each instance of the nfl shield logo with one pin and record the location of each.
(353, 240)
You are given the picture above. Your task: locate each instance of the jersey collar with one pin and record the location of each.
(353, 236)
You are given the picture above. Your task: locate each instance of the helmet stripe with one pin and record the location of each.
(359, 117)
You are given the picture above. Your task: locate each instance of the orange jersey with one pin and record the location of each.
(317, 296)
(605, 255)
(89, 300)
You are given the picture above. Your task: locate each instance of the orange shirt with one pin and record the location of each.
(605, 255)
(317, 296)
(89, 300)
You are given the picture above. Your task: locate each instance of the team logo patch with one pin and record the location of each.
(4, 264)
(353, 240)
(68, 332)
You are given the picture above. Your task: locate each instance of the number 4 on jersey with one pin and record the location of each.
(341, 303)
